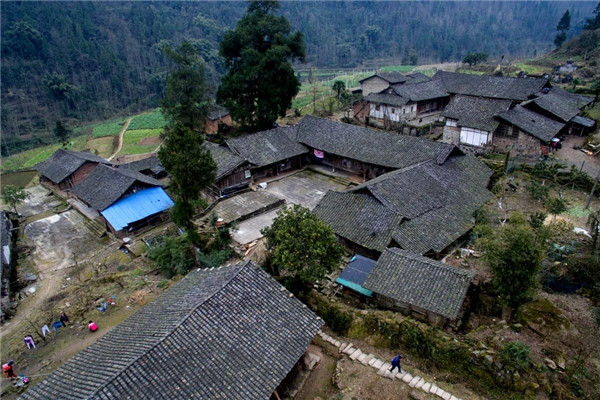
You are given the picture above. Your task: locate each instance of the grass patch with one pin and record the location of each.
(132, 141)
(102, 147)
(150, 120)
(110, 128)
(531, 69)
(579, 211)
(30, 158)
(594, 112)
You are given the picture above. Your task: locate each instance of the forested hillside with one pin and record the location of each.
(77, 61)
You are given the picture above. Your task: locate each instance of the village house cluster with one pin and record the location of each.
(414, 203)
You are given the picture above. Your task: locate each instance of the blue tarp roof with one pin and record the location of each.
(355, 274)
(138, 206)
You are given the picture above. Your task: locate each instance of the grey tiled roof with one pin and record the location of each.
(425, 90)
(476, 112)
(369, 145)
(358, 217)
(497, 87)
(63, 163)
(225, 159)
(386, 98)
(424, 207)
(417, 77)
(535, 124)
(148, 163)
(230, 333)
(391, 77)
(105, 185)
(563, 104)
(420, 281)
(267, 147)
(464, 179)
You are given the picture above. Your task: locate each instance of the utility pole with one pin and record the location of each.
(587, 205)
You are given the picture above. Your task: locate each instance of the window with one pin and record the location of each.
(450, 122)
(505, 130)
(377, 107)
(474, 137)
(393, 110)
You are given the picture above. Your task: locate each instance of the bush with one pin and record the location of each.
(174, 256)
(215, 258)
(516, 355)
(337, 320)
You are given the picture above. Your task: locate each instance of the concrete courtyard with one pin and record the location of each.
(305, 188)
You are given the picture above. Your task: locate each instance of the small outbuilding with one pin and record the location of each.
(66, 168)
(419, 286)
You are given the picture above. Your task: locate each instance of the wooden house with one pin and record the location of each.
(362, 151)
(218, 115)
(227, 333)
(562, 106)
(270, 152)
(66, 168)
(470, 121)
(125, 200)
(525, 132)
(424, 207)
(233, 172)
(404, 103)
(418, 286)
(516, 90)
(381, 81)
(149, 166)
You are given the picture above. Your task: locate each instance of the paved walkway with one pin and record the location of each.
(383, 368)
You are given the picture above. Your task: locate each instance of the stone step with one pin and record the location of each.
(414, 381)
(383, 368)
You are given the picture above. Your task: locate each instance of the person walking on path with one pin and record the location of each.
(45, 330)
(29, 342)
(396, 363)
(8, 370)
(92, 326)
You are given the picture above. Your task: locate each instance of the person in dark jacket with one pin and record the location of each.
(396, 363)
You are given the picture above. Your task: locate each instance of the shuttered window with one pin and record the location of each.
(474, 137)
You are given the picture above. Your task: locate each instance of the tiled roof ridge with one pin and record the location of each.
(240, 267)
(426, 260)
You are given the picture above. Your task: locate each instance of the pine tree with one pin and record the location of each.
(563, 26)
(260, 82)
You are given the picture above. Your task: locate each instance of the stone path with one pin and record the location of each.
(383, 368)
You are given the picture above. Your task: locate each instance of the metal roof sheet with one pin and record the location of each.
(136, 207)
(357, 269)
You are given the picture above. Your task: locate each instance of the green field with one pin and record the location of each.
(29, 158)
(150, 120)
(110, 128)
(133, 141)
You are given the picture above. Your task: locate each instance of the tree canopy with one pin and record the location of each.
(514, 254)
(61, 133)
(475, 58)
(187, 97)
(14, 195)
(192, 169)
(593, 23)
(303, 244)
(183, 154)
(260, 83)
